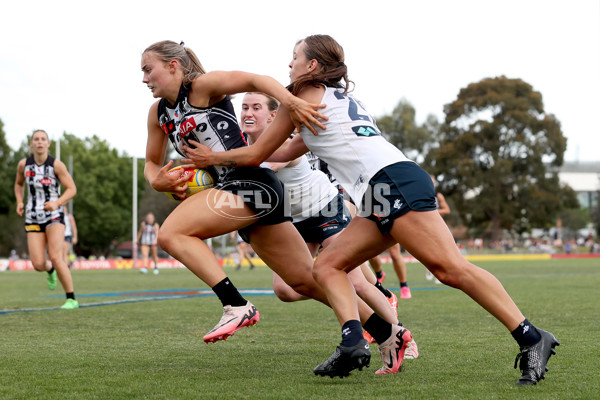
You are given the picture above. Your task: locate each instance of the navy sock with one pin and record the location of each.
(403, 284)
(526, 334)
(351, 333)
(379, 274)
(71, 295)
(51, 271)
(379, 328)
(228, 294)
(383, 290)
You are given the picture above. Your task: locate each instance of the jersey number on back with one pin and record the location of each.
(357, 113)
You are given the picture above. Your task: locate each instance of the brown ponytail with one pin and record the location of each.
(332, 70)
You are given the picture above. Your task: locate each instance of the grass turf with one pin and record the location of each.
(154, 349)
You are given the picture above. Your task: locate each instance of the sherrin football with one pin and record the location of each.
(198, 180)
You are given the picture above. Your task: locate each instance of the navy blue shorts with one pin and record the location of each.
(396, 190)
(331, 220)
(261, 191)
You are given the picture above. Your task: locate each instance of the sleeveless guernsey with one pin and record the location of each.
(42, 186)
(352, 145)
(215, 126)
(309, 190)
(148, 234)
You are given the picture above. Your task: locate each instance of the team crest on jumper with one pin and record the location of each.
(365, 131)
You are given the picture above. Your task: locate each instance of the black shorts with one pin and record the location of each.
(261, 191)
(35, 227)
(331, 220)
(396, 190)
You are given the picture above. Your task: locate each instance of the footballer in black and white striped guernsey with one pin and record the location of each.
(42, 186)
(215, 126)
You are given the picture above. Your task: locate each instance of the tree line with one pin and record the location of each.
(496, 157)
(103, 204)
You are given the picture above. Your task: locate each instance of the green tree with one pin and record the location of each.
(12, 234)
(401, 129)
(6, 199)
(574, 219)
(595, 213)
(157, 203)
(498, 158)
(103, 204)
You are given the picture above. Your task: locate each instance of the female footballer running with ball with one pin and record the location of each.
(194, 104)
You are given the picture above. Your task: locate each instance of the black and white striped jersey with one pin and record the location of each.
(215, 126)
(42, 186)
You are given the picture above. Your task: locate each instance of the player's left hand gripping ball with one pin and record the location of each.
(198, 180)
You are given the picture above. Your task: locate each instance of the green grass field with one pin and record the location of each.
(154, 349)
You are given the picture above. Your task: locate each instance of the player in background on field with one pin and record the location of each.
(397, 205)
(44, 217)
(399, 267)
(242, 251)
(147, 239)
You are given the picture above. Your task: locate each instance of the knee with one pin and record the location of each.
(165, 240)
(39, 265)
(452, 275)
(286, 294)
(166, 243)
(443, 277)
(303, 288)
(56, 259)
(318, 272)
(360, 287)
(322, 266)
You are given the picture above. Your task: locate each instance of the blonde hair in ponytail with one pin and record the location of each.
(168, 50)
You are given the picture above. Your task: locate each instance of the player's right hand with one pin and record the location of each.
(169, 182)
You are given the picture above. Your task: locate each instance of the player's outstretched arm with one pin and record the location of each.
(218, 83)
(273, 137)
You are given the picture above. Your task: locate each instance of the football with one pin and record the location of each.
(198, 180)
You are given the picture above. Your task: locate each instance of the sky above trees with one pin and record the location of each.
(75, 67)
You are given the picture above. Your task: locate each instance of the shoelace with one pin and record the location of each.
(519, 356)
